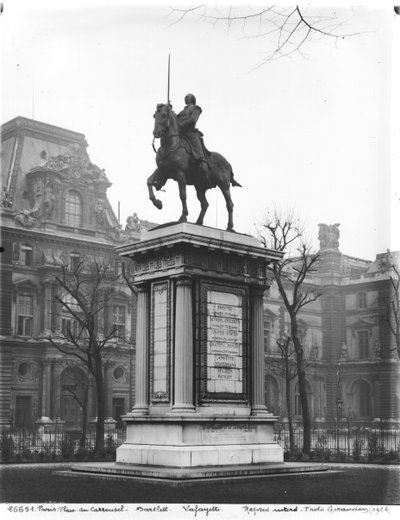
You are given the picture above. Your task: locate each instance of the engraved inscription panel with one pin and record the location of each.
(229, 434)
(160, 352)
(224, 342)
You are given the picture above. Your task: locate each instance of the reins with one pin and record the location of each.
(171, 135)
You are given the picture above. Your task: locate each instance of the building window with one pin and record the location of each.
(119, 320)
(26, 255)
(267, 335)
(74, 261)
(23, 414)
(73, 209)
(363, 343)
(24, 369)
(118, 373)
(69, 327)
(362, 300)
(25, 315)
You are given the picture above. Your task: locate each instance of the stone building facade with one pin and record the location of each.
(55, 212)
(352, 359)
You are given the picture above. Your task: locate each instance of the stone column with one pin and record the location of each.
(183, 360)
(46, 394)
(57, 390)
(141, 406)
(257, 352)
(47, 307)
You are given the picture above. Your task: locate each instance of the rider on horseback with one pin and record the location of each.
(187, 120)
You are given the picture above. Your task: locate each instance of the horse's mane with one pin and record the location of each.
(167, 105)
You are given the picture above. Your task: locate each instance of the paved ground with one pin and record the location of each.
(354, 484)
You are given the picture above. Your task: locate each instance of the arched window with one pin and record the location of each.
(297, 401)
(271, 395)
(73, 209)
(361, 399)
(74, 387)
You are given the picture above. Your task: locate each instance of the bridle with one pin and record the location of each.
(163, 133)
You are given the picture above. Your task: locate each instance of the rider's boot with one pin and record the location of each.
(205, 171)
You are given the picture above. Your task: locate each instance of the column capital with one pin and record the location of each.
(142, 287)
(184, 280)
(257, 291)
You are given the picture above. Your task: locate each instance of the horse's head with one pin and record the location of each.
(162, 119)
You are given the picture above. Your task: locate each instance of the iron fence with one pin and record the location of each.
(56, 442)
(343, 444)
(354, 442)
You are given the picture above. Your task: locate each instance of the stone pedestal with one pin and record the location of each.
(199, 351)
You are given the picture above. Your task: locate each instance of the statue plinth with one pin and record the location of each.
(199, 350)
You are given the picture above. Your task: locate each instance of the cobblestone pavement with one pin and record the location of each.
(353, 484)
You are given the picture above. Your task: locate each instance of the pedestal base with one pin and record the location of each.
(179, 477)
(194, 441)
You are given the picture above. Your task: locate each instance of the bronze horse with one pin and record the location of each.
(174, 162)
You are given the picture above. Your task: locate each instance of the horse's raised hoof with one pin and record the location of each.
(158, 204)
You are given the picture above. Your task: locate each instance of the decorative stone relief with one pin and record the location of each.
(6, 198)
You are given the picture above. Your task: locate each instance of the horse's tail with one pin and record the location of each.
(233, 181)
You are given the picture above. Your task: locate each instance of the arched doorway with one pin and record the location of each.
(74, 393)
(272, 395)
(361, 399)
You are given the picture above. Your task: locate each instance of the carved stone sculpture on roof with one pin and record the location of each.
(74, 164)
(48, 201)
(329, 236)
(117, 234)
(133, 224)
(100, 211)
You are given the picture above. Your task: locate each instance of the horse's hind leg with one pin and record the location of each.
(229, 206)
(201, 195)
(182, 194)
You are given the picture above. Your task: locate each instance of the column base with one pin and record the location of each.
(183, 408)
(138, 411)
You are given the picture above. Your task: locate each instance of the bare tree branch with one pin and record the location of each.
(292, 26)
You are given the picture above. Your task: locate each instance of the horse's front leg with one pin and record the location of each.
(150, 186)
(182, 194)
(201, 195)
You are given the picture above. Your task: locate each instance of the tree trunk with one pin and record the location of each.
(301, 375)
(289, 406)
(82, 440)
(100, 405)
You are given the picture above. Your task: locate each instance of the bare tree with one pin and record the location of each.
(78, 389)
(289, 28)
(282, 233)
(284, 367)
(84, 294)
(391, 303)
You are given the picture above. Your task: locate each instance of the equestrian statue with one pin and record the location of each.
(183, 157)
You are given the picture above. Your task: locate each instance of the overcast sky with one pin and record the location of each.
(312, 132)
